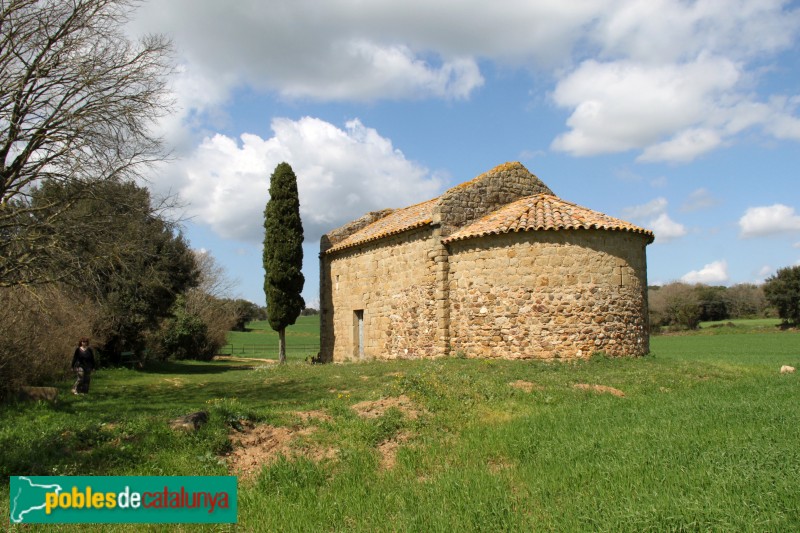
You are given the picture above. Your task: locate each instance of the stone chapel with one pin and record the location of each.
(498, 266)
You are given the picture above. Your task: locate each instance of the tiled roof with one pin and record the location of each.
(396, 222)
(543, 212)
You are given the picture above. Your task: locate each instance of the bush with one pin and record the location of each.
(185, 337)
(197, 329)
(746, 300)
(41, 327)
(674, 306)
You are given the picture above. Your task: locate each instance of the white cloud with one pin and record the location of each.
(716, 272)
(659, 182)
(684, 147)
(649, 210)
(666, 229)
(338, 50)
(624, 105)
(765, 271)
(785, 126)
(698, 200)
(768, 220)
(341, 173)
(670, 78)
(670, 31)
(653, 215)
(675, 79)
(672, 112)
(385, 72)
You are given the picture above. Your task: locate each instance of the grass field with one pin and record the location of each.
(743, 324)
(261, 341)
(705, 438)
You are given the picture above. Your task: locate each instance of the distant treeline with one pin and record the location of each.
(683, 306)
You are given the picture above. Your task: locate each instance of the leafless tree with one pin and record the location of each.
(210, 300)
(78, 102)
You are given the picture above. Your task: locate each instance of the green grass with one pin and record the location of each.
(706, 438)
(261, 341)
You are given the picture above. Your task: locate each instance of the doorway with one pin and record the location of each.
(358, 332)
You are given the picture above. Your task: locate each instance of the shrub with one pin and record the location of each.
(675, 306)
(185, 337)
(197, 329)
(41, 327)
(746, 300)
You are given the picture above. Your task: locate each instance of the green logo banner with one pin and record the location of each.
(122, 499)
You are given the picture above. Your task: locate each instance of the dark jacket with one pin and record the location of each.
(83, 359)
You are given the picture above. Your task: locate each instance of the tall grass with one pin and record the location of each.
(705, 438)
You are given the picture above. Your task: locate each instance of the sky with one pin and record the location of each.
(680, 116)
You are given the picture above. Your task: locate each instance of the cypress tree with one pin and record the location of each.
(283, 253)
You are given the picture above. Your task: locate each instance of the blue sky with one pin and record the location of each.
(682, 117)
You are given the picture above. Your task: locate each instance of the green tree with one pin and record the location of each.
(134, 262)
(246, 311)
(713, 302)
(283, 254)
(184, 335)
(783, 291)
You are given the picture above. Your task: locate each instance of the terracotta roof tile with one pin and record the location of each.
(543, 212)
(396, 222)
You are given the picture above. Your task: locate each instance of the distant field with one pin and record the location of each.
(743, 323)
(261, 341)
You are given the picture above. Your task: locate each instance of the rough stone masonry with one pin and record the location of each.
(495, 267)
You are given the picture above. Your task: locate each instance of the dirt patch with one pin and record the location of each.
(526, 386)
(388, 450)
(316, 415)
(603, 389)
(498, 464)
(376, 408)
(257, 446)
(175, 382)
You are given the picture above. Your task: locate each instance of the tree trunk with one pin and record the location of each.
(282, 345)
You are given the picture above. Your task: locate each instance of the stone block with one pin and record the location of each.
(33, 394)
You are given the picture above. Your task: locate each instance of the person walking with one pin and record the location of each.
(83, 365)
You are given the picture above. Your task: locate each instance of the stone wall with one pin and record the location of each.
(536, 294)
(466, 203)
(392, 283)
(333, 237)
(549, 294)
